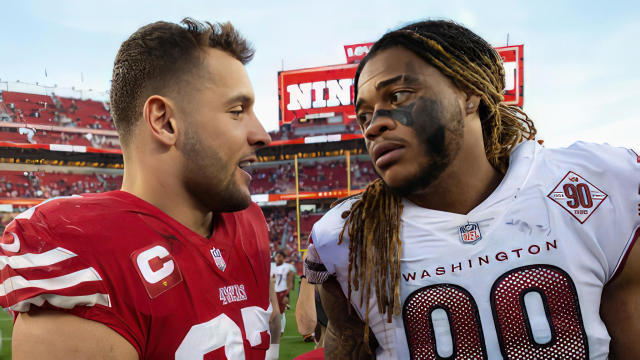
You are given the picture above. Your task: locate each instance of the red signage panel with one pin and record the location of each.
(513, 62)
(329, 89)
(356, 52)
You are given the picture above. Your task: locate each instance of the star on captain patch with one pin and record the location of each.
(577, 196)
(470, 233)
(217, 258)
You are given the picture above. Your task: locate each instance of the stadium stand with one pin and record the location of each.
(55, 120)
(53, 110)
(317, 175)
(282, 228)
(24, 184)
(30, 108)
(12, 135)
(87, 113)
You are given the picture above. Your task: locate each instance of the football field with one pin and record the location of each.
(6, 325)
(291, 343)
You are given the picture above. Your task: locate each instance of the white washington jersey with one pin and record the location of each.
(521, 275)
(280, 272)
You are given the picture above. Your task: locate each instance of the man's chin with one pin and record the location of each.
(240, 203)
(414, 184)
(237, 199)
(402, 191)
(400, 183)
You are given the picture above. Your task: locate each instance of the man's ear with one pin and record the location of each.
(471, 104)
(159, 116)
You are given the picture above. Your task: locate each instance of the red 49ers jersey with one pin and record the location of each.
(118, 260)
(521, 275)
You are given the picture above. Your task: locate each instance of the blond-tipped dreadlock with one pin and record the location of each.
(373, 223)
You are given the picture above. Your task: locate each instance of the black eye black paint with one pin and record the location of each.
(428, 119)
(402, 114)
(429, 125)
(425, 116)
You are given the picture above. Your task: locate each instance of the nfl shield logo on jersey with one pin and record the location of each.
(217, 258)
(470, 233)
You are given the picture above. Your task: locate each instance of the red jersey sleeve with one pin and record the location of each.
(38, 269)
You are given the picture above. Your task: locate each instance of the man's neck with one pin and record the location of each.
(460, 188)
(172, 199)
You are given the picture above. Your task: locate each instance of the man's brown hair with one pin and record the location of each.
(160, 55)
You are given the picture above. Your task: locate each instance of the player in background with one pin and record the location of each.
(284, 276)
(476, 243)
(280, 296)
(175, 265)
(275, 322)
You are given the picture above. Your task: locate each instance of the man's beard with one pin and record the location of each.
(431, 127)
(209, 178)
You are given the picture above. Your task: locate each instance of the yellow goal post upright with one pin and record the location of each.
(295, 162)
(298, 229)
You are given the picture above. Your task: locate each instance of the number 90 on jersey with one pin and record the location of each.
(442, 321)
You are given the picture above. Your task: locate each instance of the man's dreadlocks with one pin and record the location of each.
(373, 223)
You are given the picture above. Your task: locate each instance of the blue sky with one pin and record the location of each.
(581, 71)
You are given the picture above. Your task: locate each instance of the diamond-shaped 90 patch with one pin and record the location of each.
(578, 196)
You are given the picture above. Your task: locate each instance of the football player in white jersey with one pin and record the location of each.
(284, 276)
(477, 242)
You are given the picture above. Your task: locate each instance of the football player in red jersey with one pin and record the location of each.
(176, 264)
(476, 243)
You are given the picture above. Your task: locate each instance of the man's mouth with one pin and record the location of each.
(246, 165)
(385, 154)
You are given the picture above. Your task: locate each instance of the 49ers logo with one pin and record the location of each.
(157, 269)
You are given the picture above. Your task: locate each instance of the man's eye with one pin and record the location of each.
(399, 97)
(237, 111)
(364, 119)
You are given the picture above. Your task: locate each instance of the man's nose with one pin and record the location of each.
(381, 122)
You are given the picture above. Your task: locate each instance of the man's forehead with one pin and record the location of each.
(396, 66)
(222, 67)
(393, 63)
(227, 76)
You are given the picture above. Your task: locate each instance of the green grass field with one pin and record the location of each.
(6, 326)
(291, 344)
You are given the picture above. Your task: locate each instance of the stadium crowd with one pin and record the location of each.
(18, 184)
(53, 110)
(313, 176)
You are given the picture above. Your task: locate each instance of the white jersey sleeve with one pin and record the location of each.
(324, 254)
(612, 177)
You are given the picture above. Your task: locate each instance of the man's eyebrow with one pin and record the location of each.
(407, 79)
(402, 78)
(240, 98)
